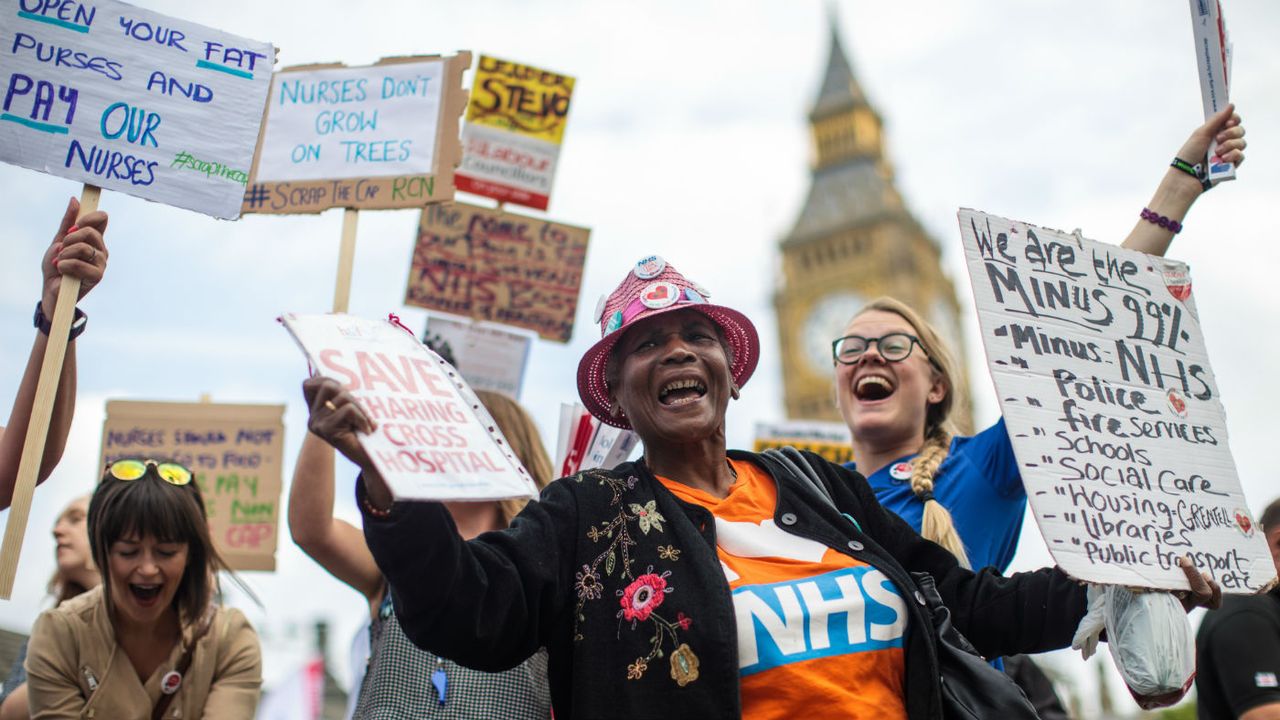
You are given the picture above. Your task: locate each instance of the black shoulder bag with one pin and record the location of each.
(971, 688)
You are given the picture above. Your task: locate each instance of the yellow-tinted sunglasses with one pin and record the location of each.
(132, 469)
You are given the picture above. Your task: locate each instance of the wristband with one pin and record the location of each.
(44, 324)
(1156, 218)
(1196, 171)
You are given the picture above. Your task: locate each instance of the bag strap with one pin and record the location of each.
(184, 664)
(796, 462)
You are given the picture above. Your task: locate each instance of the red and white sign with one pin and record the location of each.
(434, 439)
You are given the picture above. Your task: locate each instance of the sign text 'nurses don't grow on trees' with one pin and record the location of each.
(1100, 366)
(126, 99)
(434, 439)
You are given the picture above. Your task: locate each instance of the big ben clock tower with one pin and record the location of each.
(853, 241)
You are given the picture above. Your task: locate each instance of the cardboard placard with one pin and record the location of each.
(515, 125)
(376, 137)
(1213, 66)
(492, 265)
(584, 442)
(435, 440)
(127, 99)
(1100, 365)
(234, 451)
(828, 439)
(489, 357)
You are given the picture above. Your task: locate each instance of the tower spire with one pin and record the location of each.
(839, 90)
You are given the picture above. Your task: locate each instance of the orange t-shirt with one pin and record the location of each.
(819, 633)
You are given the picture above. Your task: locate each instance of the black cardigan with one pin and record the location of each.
(556, 577)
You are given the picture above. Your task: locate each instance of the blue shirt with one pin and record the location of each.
(979, 483)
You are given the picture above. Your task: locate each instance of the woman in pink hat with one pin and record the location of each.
(697, 581)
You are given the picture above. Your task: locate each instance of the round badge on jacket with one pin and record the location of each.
(170, 683)
(901, 471)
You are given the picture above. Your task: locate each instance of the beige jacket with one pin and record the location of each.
(76, 670)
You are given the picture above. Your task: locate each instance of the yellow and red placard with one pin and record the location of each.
(515, 125)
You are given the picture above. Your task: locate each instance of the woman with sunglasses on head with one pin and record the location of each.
(75, 575)
(698, 581)
(151, 641)
(402, 681)
(895, 387)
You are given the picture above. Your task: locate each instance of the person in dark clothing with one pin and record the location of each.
(698, 581)
(1238, 648)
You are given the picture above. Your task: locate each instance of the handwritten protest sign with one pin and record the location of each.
(127, 99)
(489, 357)
(515, 125)
(382, 136)
(435, 440)
(828, 439)
(492, 265)
(1113, 409)
(235, 453)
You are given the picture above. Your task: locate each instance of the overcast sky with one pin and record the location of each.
(687, 138)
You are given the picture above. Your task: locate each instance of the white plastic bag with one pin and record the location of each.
(1150, 640)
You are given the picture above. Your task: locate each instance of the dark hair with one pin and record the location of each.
(1270, 519)
(152, 507)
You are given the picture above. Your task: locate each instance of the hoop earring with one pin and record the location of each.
(734, 391)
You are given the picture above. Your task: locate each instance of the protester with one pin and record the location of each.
(694, 582)
(150, 641)
(402, 681)
(78, 251)
(74, 575)
(895, 382)
(1238, 648)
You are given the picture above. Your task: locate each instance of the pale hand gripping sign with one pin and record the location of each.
(434, 439)
(1100, 365)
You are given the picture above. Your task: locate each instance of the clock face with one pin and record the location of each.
(824, 323)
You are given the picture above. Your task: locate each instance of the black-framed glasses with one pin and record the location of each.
(135, 468)
(894, 347)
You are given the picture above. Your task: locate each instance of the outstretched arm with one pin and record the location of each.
(338, 546)
(77, 250)
(1178, 190)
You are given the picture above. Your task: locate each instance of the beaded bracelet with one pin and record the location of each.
(1156, 218)
(369, 507)
(1196, 171)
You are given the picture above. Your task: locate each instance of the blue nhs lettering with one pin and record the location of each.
(837, 613)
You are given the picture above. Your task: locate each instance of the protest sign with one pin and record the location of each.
(434, 440)
(130, 100)
(515, 125)
(828, 439)
(497, 266)
(584, 442)
(375, 137)
(1100, 365)
(1213, 66)
(235, 453)
(487, 356)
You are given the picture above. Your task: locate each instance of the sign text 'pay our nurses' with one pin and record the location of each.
(126, 99)
(1099, 361)
(434, 440)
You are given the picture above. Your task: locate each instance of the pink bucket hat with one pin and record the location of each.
(651, 288)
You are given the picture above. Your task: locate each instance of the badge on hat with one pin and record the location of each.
(615, 322)
(650, 267)
(170, 683)
(901, 471)
(600, 308)
(701, 290)
(692, 296)
(659, 295)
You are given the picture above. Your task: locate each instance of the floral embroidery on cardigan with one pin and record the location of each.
(644, 593)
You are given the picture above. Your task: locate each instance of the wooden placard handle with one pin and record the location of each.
(346, 261)
(41, 413)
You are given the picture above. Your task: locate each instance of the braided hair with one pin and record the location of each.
(936, 521)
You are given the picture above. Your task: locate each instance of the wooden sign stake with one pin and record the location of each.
(346, 260)
(41, 413)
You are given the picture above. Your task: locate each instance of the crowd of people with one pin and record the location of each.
(696, 580)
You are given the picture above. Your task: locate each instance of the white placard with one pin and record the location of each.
(1213, 67)
(112, 95)
(359, 122)
(434, 440)
(1100, 366)
(489, 357)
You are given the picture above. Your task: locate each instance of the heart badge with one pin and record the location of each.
(1244, 522)
(1177, 280)
(1177, 404)
(659, 295)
